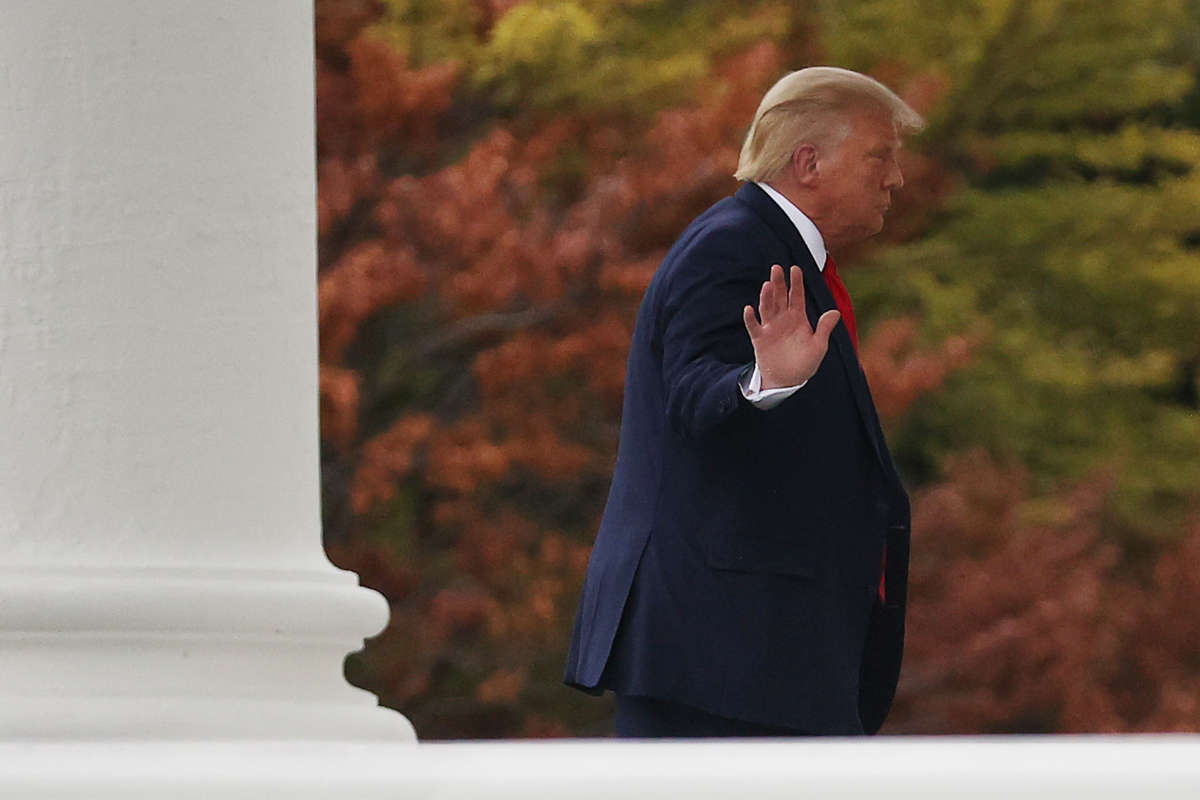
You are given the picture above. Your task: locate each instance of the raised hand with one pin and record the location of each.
(786, 348)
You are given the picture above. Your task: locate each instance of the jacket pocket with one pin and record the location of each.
(737, 551)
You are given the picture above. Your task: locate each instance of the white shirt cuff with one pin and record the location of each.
(765, 399)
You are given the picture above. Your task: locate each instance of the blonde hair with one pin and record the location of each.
(813, 106)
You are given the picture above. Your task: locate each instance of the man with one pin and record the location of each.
(737, 587)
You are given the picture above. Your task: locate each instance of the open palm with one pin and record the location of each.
(786, 348)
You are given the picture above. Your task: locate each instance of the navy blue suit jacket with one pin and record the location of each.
(738, 561)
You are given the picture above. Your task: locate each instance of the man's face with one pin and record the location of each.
(857, 178)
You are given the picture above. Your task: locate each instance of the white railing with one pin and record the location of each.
(895, 768)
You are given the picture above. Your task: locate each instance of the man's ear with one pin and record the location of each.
(805, 166)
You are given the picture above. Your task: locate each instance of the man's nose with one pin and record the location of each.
(895, 178)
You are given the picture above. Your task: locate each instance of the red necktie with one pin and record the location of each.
(842, 298)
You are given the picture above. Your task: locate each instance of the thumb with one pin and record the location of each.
(825, 325)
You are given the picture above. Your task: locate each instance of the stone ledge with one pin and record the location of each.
(1095, 767)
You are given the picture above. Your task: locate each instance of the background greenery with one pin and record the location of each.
(498, 181)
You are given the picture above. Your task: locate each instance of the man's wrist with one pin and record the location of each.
(759, 396)
(768, 381)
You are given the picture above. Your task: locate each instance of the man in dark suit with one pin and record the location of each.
(749, 574)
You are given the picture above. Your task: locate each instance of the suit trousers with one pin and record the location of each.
(652, 718)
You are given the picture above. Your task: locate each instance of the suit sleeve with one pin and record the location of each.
(705, 345)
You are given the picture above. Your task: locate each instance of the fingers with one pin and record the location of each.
(773, 297)
(751, 321)
(796, 293)
(766, 301)
(779, 286)
(825, 325)
(776, 296)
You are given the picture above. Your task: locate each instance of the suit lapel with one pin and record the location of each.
(839, 341)
(820, 300)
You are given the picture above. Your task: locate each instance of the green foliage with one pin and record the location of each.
(1135, 152)
(432, 31)
(557, 55)
(1071, 251)
(1031, 63)
(631, 57)
(477, 300)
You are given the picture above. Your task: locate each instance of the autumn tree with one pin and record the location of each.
(481, 267)
(1059, 468)
(497, 182)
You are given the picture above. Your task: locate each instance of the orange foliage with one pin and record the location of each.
(898, 375)
(464, 456)
(504, 686)
(387, 459)
(368, 277)
(1020, 621)
(500, 290)
(513, 275)
(1167, 646)
(339, 388)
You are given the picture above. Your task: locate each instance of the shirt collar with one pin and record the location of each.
(807, 230)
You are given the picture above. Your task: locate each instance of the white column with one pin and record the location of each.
(161, 570)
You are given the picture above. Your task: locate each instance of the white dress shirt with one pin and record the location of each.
(751, 379)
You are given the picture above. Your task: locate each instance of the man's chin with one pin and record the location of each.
(855, 235)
